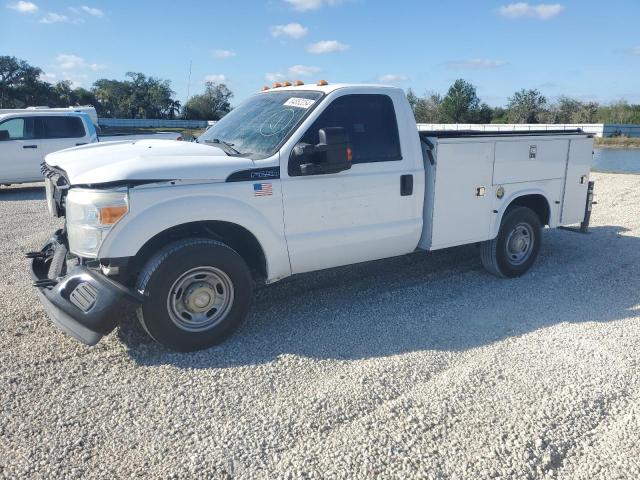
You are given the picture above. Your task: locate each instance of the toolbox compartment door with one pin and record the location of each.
(576, 180)
(462, 193)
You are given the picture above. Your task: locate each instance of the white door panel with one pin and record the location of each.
(349, 217)
(534, 159)
(358, 214)
(576, 182)
(20, 151)
(461, 212)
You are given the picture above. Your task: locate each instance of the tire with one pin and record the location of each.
(196, 293)
(516, 247)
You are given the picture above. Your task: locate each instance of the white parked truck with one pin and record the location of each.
(28, 135)
(295, 179)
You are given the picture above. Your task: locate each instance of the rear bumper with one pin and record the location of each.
(83, 303)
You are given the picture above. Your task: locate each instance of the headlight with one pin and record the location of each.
(90, 216)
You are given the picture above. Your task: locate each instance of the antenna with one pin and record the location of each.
(189, 80)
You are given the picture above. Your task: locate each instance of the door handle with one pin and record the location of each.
(406, 185)
(78, 144)
(30, 146)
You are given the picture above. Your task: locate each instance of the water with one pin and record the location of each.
(618, 160)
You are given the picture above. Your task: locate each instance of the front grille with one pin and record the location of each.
(84, 296)
(57, 183)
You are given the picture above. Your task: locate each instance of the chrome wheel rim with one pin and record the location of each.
(200, 299)
(519, 243)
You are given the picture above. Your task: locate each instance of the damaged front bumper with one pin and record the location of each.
(82, 302)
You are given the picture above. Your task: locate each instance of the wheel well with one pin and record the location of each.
(535, 202)
(235, 236)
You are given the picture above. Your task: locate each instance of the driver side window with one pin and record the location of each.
(370, 122)
(17, 129)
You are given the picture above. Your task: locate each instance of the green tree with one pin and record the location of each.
(20, 83)
(213, 104)
(526, 106)
(461, 103)
(428, 109)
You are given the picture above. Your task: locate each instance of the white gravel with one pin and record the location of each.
(421, 366)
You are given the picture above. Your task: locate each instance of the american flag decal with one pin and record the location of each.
(262, 189)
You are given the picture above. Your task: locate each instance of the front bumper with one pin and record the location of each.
(83, 302)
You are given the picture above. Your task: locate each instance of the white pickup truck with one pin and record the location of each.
(295, 179)
(28, 135)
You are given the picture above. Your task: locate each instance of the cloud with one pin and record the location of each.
(23, 7)
(274, 77)
(327, 46)
(476, 64)
(392, 78)
(223, 53)
(48, 77)
(97, 66)
(542, 11)
(303, 70)
(96, 12)
(304, 5)
(54, 18)
(67, 61)
(292, 30)
(635, 50)
(216, 78)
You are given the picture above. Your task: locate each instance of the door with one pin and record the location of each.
(60, 132)
(462, 198)
(576, 182)
(20, 151)
(358, 214)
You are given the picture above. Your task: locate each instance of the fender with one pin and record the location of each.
(508, 200)
(158, 209)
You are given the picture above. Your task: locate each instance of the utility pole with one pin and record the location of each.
(189, 80)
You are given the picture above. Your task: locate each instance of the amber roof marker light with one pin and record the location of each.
(322, 83)
(298, 83)
(287, 83)
(277, 85)
(264, 87)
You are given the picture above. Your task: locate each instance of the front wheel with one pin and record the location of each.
(196, 293)
(516, 247)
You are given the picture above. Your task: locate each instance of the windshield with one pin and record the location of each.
(257, 127)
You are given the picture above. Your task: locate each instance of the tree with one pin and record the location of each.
(213, 104)
(461, 103)
(19, 81)
(428, 108)
(139, 97)
(526, 106)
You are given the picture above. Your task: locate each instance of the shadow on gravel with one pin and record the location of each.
(443, 301)
(13, 194)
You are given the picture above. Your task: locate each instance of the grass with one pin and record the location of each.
(618, 142)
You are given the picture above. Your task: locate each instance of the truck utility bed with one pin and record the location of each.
(471, 176)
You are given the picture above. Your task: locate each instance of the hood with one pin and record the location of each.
(141, 160)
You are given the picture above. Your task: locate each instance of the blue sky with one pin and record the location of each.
(587, 49)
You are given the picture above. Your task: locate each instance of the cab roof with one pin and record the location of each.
(329, 87)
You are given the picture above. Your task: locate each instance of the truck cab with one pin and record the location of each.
(296, 179)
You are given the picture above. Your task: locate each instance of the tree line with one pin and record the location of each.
(139, 96)
(461, 104)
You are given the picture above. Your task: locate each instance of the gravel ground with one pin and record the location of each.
(420, 366)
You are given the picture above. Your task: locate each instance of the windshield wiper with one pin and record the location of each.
(226, 146)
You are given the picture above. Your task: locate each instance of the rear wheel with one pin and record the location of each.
(197, 292)
(516, 247)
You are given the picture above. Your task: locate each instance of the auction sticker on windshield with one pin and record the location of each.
(299, 102)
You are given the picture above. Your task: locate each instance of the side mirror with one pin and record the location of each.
(331, 155)
(4, 135)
